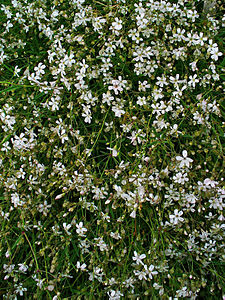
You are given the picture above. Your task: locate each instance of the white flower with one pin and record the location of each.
(149, 271)
(117, 25)
(115, 235)
(162, 81)
(138, 258)
(7, 254)
(114, 151)
(215, 53)
(193, 80)
(101, 244)
(20, 289)
(176, 217)
(183, 292)
(141, 101)
(87, 118)
(80, 229)
(40, 69)
(69, 60)
(175, 80)
(2, 57)
(184, 160)
(118, 85)
(59, 196)
(15, 199)
(201, 39)
(179, 35)
(50, 287)
(107, 98)
(23, 268)
(157, 94)
(133, 214)
(114, 295)
(86, 113)
(142, 86)
(193, 66)
(210, 183)
(5, 146)
(67, 227)
(180, 178)
(82, 267)
(16, 71)
(141, 274)
(118, 110)
(137, 137)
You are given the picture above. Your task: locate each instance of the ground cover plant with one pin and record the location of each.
(111, 149)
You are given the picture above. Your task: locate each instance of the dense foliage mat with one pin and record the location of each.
(111, 149)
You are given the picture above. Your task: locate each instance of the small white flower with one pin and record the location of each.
(101, 244)
(119, 111)
(149, 271)
(107, 98)
(193, 80)
(180, 178)
(184, 160)
(142, 86)
(215, 53)
(114, 151)
(40, 69)
(16, 71)
(114, 295)
(80, 266)
(50, 288)
(141, 101)
(67, 227)
(133, 214)
(141, 274)
(117, 24)
(7, 254)
(80, 229)
(23, 268)
(210, 183)
(20, 289)
(176, 217)
(115, 235)
(118, 85)
(138, 258)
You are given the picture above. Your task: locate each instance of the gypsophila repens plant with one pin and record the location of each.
(111, 149)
